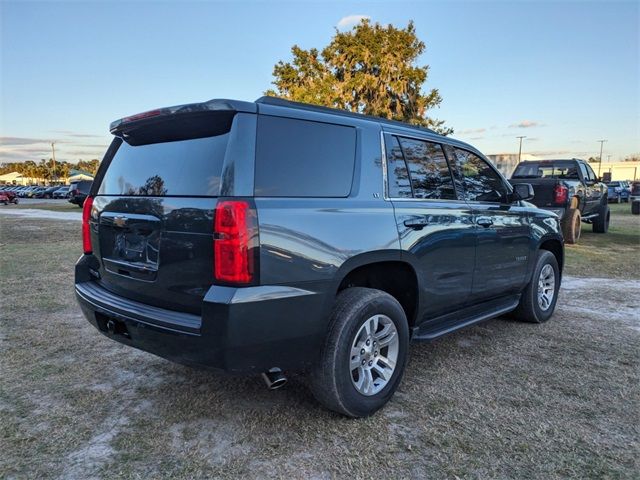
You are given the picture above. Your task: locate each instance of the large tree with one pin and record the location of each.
(370, 69)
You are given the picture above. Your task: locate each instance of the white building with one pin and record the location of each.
(506, 162)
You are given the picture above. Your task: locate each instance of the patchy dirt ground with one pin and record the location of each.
(499, 400)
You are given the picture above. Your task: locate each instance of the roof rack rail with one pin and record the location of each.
(281, 102)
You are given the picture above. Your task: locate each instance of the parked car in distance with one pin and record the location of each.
(78, 191)
(571, 189)
(618, 191)
(37, 192)
(47, 192)
(62, 192)
(276, 236)
(7, 197)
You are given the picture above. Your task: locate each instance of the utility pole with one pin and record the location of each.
(53, 155)
(600, 162)
(520, 149)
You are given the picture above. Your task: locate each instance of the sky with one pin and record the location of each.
(563, 74)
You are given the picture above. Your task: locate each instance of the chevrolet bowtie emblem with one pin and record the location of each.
(120, 221)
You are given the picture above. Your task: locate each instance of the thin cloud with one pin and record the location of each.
(85, 153)
(525, 124)
(95, 145)
(8, 141)
(547, 153)
(71, 133)
(471, 130)
(351, 20)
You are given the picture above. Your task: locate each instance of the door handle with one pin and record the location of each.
(416, 223)
(484, 222)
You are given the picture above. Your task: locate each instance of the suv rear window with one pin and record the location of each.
(300, 158)
(565, 170)
(180, 168)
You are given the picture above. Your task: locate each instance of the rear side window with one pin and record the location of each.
(399, 186)
(182, 168)
(428, 170)
(481, 183)
(299, 158)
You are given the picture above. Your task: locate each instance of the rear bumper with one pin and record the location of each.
(241, 330)
(560, 211)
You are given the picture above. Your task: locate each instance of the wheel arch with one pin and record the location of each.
(555, 246)
(386, 271)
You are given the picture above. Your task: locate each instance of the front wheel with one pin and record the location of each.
(364, 355)
(539, 299)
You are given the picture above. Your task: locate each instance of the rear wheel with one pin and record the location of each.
(601, 223)
(572, 225)
(364, 355)
(538, 300)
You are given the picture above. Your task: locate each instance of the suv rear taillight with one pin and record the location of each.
(86, 229)
(235, 242)
(560, 194)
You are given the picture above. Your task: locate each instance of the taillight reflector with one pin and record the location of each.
(233, 228)
(560, 194)
(86, 229)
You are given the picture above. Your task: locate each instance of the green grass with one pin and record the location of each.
(59, 206)
(614, 254)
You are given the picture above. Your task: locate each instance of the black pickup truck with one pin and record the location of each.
(569, 188)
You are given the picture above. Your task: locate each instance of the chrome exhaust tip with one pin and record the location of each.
(274, 378)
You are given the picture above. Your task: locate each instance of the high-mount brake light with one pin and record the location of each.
(560, 194)
(86, 228)
(140, 116)
(234, 226)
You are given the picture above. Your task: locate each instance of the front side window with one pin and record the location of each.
(481, 182)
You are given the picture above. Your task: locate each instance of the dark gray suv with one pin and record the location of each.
(272, 236)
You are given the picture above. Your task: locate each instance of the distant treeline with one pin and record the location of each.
(45, 169)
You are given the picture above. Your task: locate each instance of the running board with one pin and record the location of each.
(466, 317)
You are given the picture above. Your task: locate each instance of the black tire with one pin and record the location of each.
(571, 225)
(331, 381)
(601, 222)
(529, 310)
(635, 207)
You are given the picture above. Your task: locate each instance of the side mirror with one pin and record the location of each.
(523, 191)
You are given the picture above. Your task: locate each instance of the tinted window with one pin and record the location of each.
(398, 175)
(187, 167)
(298, 158)
(592, 174)
(583, 170)
(481, 183)
(564, 170)
(428, 170)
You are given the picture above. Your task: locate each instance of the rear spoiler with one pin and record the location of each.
(122, 124)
